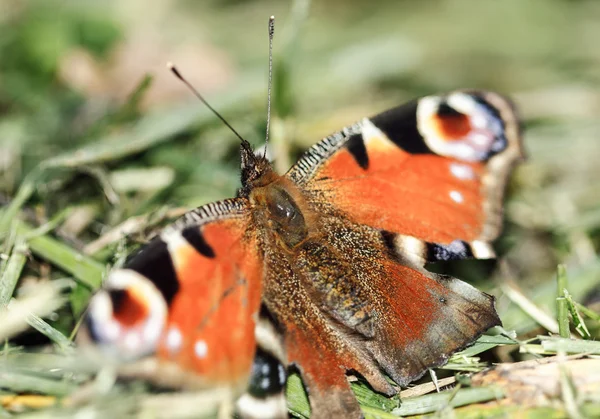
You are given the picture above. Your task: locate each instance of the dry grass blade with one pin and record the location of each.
(512, 291)
(50, 332)
(426, 388)
(538, 382)
(185, 405)
(42, 301)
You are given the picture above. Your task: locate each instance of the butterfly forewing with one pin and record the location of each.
(434, 169)
(183, 311)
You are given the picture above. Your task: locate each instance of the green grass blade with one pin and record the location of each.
(26, 383)
(25, 192)
(83, 268)
(433, 402)
(576, 317)
(12, 272)
(44, 300)
(570, 346)
(296, 397)
(50, 332)
(587, 312)
(562, 311)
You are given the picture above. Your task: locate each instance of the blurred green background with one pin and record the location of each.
(94, 129)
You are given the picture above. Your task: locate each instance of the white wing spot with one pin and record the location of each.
(173, 238)
(265, 369)
(482, 250)
(369, 130)
(457, 197)
(174, 340)
(201, 349)
(462, 171)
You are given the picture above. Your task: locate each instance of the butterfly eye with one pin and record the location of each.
(127, 317)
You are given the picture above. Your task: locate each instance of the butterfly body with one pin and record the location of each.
(323, 268)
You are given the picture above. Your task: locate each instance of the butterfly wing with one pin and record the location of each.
(351, 304)
(422, 182)
(184, 311)
(433, 170)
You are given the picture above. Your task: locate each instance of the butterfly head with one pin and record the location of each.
(256, 169)
(126, 319)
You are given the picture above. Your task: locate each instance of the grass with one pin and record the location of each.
(89, 169)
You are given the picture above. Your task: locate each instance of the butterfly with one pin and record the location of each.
(323, 269)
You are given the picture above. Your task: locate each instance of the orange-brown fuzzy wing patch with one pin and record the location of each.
(363, 310)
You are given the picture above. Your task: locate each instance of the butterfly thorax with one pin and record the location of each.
(280, 209)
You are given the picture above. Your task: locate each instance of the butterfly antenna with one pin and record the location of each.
(271, 33)
(174, 70)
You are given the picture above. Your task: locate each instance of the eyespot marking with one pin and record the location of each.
(482, 250)
(461, 126)
(268, 375)
(451, 124)
(456, 250)
(133, 341)
(130, 328)
(129, 305)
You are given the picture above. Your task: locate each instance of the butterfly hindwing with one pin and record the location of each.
(364, 311)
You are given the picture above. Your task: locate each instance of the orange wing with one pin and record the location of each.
(186, 312)
(183, 311)
(211, 322)
(433, 170)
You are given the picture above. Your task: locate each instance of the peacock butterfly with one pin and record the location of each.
(322, 269)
